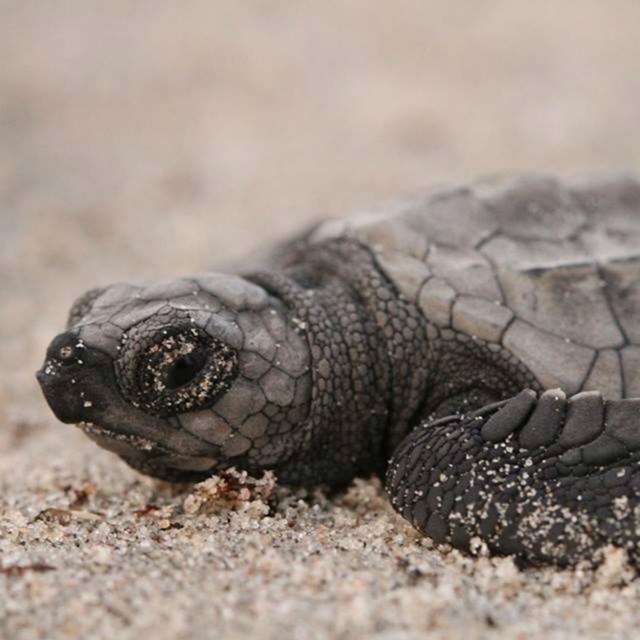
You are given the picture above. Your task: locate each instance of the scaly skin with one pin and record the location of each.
(540, 478)
(329, 365)
(307, 371)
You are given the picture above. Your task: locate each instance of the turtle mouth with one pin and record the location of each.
(115, 441)
(149, 457)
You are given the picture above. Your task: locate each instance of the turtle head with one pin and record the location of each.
(183, 378)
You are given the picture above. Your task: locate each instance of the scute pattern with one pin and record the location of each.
(565, 301)
(562, 256)
(480, 318)
(551, 477)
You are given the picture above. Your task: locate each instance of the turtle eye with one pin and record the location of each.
(186, 368)
(173, 370)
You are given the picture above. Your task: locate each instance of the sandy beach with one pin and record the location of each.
(149, 140)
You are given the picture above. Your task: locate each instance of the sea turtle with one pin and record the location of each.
(480, 345)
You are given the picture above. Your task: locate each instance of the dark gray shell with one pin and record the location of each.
(549, 269)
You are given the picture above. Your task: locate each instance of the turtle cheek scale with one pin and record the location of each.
(259, 389)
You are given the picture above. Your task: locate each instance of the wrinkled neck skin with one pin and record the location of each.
(368, 347)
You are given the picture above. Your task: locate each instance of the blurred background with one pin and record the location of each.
(151, 138)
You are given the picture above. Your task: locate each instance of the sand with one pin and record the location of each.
(145, 140)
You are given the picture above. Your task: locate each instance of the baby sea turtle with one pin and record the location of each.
(481, 346)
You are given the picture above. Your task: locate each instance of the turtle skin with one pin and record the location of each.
(479, 345)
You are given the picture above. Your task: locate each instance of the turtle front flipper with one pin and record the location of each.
(545, 478)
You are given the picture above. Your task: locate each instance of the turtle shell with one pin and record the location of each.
(549, 269)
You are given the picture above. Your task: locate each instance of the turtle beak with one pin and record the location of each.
(56, 389)
(59, 379)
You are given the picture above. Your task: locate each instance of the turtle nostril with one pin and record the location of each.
(65, 348)
(66, 353)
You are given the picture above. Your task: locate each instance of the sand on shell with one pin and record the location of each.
(146, 140)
